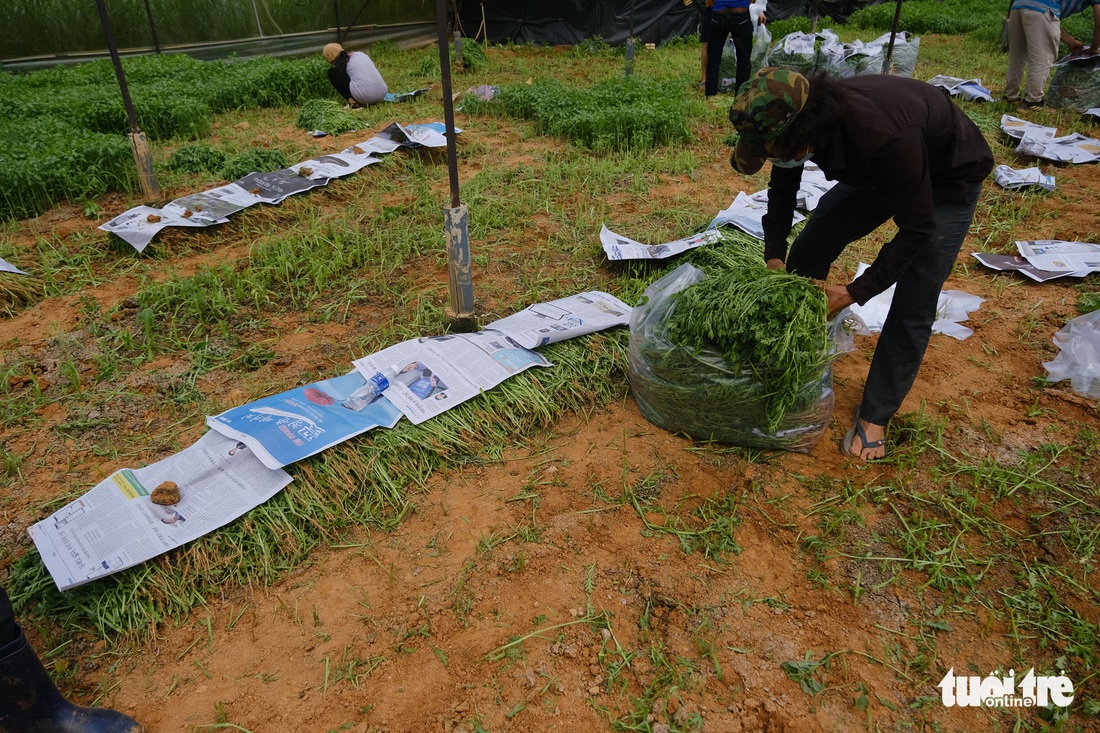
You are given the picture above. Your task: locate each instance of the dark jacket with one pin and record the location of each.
(901, 141)
(338, 75)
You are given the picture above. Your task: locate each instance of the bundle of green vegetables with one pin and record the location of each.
(331, 117)
(734, 352)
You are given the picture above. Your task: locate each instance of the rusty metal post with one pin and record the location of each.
(460, 308)
(893, 34)
(143, 158)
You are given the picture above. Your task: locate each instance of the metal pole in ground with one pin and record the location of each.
(152, 26)
(460, 307)
(143, 158)
(893, 34)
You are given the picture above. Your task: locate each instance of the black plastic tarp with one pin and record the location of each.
(568, 22)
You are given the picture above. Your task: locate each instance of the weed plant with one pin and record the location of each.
(197, 158)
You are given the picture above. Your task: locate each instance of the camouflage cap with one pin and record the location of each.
(762, 111)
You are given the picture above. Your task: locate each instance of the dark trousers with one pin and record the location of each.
(846, 214)
(739, 27)
(8, 632)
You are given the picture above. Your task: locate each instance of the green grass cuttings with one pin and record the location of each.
(197, 158)
(365, 481)
(616, 114)
(329, 116)
(257, 160)
(474, 57)
(17, 292)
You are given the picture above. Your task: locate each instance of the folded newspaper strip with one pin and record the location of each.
(6, 266)
(1041, 142)
(140, 224)
(565, 318)
(747, 215)
(301, 422)
(116, 525)
(971, 89)
(1055, 255)
(618, 247)
(1015, 263)
(814, 185)
(1014, 179)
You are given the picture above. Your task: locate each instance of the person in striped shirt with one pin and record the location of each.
(1034, 29)
(1073, 7)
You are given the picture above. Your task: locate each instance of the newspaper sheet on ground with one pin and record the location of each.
(1015, 263)
(1014, 179)
(300, 422)
(332, 166)
(971, 89)
(1077, 258)
(618, 247)
(428, 135)
(1043, 142)
(6, 266)
(565, 318)
(747, 215)
(116, 525)
(404, 96)
(140, 224)
(212, 205)
(814, 185)
(273, 187)
(427, 376)
(953, 307)
(1094, 111)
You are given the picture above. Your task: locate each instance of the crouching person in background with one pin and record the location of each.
(354, 75)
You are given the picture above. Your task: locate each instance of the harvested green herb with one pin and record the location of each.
(734, 352)
(197, 158)
(328, 116)
(257, 160)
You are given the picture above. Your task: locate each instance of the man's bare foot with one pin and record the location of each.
(865, 441)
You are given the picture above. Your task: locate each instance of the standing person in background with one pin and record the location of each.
(704, 38)
(1073, 7)
(729, 18)
(1033, 30)
(354, 75)
(29, 700)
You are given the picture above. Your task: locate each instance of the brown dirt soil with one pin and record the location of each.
(406, 631)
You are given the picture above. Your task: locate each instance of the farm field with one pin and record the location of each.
(542, 558)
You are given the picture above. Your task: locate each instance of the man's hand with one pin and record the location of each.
(776, 264)
(763, 19)
(838, 297)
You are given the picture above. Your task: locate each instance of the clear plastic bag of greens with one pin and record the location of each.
(1075, 84)
(700, 393)
(1079, 358)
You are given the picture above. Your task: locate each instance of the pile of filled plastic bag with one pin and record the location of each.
(810, 52)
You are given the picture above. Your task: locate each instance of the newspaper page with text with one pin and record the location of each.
(116, 525)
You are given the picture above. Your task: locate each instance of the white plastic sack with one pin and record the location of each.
(1079, 360)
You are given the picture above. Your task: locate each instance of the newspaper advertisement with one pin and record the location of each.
(618, 247)
(1076, 258)
(212, 205)
(273, 187)
(1014, 179)
(814, 185)
(1015, 263)
(116, 525)
(6, 266)
(1043, 142)
(298, 423)
(971, 89)
(428, 376)
(139, 225)
(747, 215)
(557, 320)
(328, 167)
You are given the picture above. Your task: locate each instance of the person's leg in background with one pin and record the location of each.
(1043, 31)
(719, 29)
(1017, 54)
(908, 325)
(29, 700)
(742, 45)
(704, 41)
